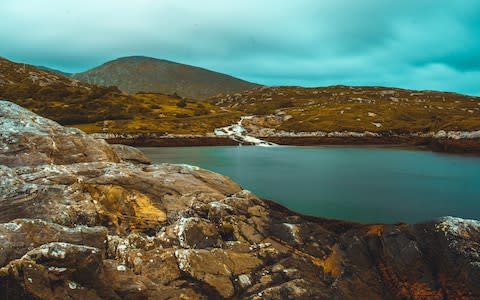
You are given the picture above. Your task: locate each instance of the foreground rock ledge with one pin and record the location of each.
(83, 220)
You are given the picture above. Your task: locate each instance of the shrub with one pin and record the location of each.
(98, 92)
(136, 110)
(285, 103)
(262, 110)
(176, 96)
(181, 116)
(182, 103)
(201, 112)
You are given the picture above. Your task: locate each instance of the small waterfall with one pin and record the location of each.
(237, 133)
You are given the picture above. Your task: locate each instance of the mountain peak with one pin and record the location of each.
(139, 58)
(147, 74)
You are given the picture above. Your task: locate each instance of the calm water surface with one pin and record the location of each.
(352, 183)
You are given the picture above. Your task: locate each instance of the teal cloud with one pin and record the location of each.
(411, 44)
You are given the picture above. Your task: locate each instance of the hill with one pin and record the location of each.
(138, 73)
(20, 80)
(355, 108)
(284, 111)
(55, 71)
(61, 98)
(97, 109)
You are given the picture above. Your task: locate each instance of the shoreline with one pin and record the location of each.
(460, 146)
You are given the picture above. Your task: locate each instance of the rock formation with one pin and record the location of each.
(80, 219)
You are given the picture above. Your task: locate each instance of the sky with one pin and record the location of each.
(418, 44)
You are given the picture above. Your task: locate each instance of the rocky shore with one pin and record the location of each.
(254, 130)
(80, 219)
(460, 146)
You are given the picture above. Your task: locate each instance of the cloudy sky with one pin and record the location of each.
(421, 44)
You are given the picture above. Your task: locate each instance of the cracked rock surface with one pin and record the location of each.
(80, 219)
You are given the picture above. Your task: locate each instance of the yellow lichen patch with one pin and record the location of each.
(408, 288)
(144, 209)
(420, 290)
(375, 229)
(316, 261)
(333, 263)
(403, 226)
(125, 209)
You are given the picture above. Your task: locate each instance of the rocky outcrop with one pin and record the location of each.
(29, 140)
(84, 222)
(131, 154)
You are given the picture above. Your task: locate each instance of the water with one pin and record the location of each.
(351, 183)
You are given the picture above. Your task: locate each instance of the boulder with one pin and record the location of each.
(196, 233)
(128, 153)
(38, 232)
(27, 139)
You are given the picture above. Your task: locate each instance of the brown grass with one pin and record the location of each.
(341, 108)
(337, 108)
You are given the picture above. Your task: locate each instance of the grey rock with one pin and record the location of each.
(127, 153)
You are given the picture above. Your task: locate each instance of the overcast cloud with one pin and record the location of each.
(419, 44)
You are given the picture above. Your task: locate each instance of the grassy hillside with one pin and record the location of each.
(293, 109)
(97, 109)
(58, 97)
(339, 108)
(55, 71)
(165, 114)
(137, 73)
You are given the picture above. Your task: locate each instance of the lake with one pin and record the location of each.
(351, 183)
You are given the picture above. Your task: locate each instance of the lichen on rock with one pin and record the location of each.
(82, 220)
